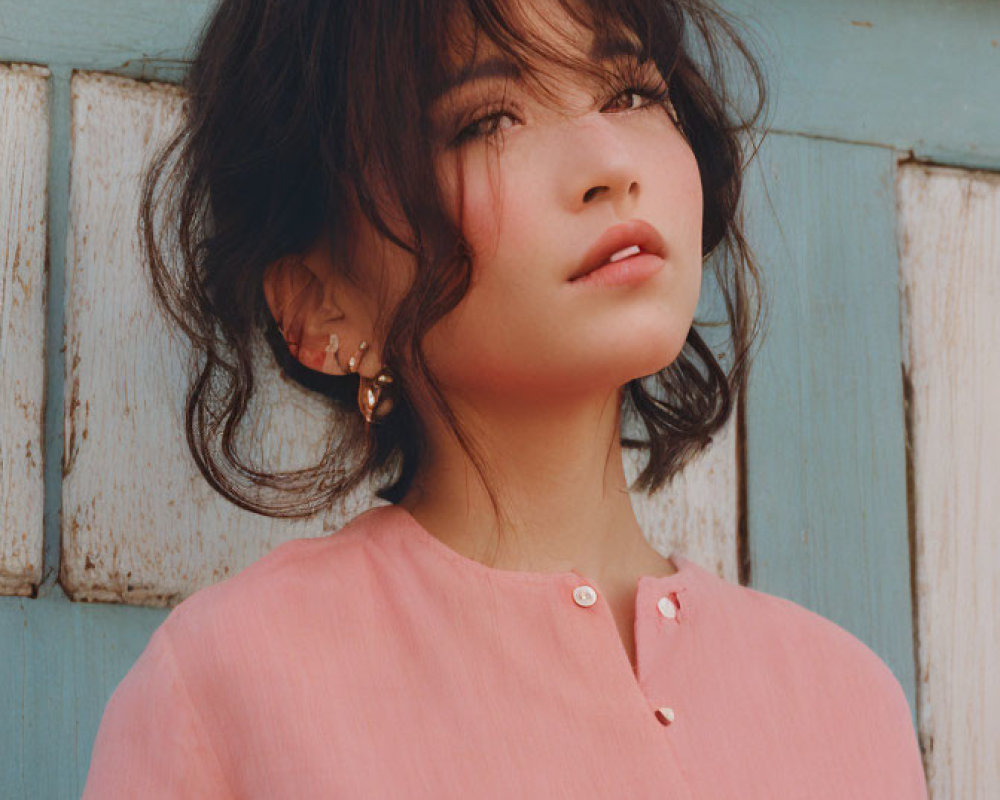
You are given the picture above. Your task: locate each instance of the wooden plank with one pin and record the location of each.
(140, 524)
(826, 483)
(875, 71)
(950, 290)
(24, 148)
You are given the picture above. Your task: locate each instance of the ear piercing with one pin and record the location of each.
(352, 364)
(374, 394)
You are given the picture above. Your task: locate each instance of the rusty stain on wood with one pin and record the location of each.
(70, 446)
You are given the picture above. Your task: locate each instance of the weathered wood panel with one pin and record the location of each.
(950, 292)
(140, 525)
(826, 469)
(24, 149)
(918, 76)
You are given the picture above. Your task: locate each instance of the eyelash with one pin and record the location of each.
(633, 82)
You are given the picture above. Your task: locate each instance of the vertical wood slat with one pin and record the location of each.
(950, 291)
(24, 148)
(140, 524)
(826, 483)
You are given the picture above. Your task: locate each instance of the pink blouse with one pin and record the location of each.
(377, 662)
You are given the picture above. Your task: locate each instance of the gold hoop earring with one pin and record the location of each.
(374, 394)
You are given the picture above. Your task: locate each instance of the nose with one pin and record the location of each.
(602, 165)
(595, 191)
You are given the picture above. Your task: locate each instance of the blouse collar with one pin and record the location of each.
(402, 521)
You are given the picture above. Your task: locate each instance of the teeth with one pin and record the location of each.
(628, 251)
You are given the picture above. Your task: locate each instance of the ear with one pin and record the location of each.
(300, 298)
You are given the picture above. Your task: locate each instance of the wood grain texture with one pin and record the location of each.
(24, 150)
(826, 476)
(140, 525)
(919, 76)
(950, 290)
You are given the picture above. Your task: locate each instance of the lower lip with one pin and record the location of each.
(631, 270)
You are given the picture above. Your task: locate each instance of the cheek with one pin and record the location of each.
(473, 188)
(690, 195)
(675, 187)
(526, 242)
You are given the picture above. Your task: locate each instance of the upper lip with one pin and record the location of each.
(617, 237)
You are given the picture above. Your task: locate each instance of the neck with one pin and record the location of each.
(560, 479)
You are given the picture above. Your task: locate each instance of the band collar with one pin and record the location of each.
(400, 521)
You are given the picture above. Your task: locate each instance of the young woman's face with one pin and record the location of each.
(537, 184)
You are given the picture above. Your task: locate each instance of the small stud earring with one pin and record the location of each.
(355, 360)
(332, 348)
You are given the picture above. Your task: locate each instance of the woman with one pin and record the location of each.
(480, 229)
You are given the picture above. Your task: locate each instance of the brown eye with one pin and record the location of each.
(630, 93)
(484, 127)
(655, 91)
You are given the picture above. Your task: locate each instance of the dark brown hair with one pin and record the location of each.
(292, 106)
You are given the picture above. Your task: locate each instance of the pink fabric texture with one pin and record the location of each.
(377, 662)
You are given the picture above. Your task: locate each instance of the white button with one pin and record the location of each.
(667, 608)
(584, 595)
(665, 715)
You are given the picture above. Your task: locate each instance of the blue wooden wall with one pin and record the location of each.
(856, 85)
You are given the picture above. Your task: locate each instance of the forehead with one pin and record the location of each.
(543, 30)
(566, 25)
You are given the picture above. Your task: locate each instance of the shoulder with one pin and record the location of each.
(844, 703)
(801, 649)
(825, 646)
(283, 591)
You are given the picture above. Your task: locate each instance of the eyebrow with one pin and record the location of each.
(603, 48)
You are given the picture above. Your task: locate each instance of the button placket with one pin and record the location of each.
(585, 596)
(639, 703)
(667, 605)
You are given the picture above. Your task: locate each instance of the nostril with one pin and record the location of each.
(589, 194)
